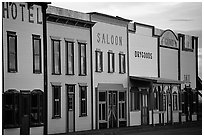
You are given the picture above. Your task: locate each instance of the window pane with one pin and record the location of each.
(121, 96)
(12, 42)
(36, 46)
(102, 96)
(56, 57)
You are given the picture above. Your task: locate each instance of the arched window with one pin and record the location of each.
(36, 114)
(175, 101)
(156, 98)
(11, 108)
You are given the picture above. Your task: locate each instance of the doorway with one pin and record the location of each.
(144, 106)
(25, 113)
(70, 108)
(112, 109)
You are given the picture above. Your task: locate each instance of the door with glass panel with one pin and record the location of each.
(25, 113)
(144, 106)
(112, 109)
(70, 107)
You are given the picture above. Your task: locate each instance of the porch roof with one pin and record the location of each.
(110, 86)
(157, 80)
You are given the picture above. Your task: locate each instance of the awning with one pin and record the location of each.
(110, 86)
(157, 80)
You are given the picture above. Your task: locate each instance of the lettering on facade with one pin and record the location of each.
(145, 55)
(169, 39)
(10, 10)
(109, 39)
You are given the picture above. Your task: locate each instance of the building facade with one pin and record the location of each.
(23, 86)
(69, 71)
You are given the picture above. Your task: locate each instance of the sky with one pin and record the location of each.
(184, 17)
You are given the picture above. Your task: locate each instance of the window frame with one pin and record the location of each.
(109, 62)
(37, 37)
(16, 110)
(53, 58)
(122, 65)
(175, 101)
(80, 59)
(39, 108)
(12, 34)
(135, 100)
(100, 59)
(54, 116)
(67, 57)
(81, 114)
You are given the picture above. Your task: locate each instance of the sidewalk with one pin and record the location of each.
(138, 129)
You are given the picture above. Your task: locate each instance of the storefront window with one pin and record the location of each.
(12, 51)
(36, 114)
(102, 106)
(122, 105)
(175, 101)
(156, 98)
(70, 58)
(11, 108)
(135, 99)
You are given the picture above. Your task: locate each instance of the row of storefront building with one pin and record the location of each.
(67, 71)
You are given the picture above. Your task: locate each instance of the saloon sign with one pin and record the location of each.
(168, 39)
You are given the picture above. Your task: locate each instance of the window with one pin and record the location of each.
(82, 59)
(194, 99)
(102, 106)
(36, 114)
(164, 102)
(156, 98)
(56, 101)
(111, 63)
(56, 60)
(11, 109)
(12, 51)
(121, 63)
(36, 54)
(135, 99)
(175, 101)
(83, 100)
(99, 61)
(70, 92)
(187, 79)
(122, 105)
(70, 57)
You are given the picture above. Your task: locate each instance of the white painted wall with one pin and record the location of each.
(76, 33)
(142, 66)
(24, 79)
(36, 131)
(12, 131)
(188, 67)
(105, 77)
(168, 63)
(135, 118)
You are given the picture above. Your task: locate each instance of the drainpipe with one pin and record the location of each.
(44, 7)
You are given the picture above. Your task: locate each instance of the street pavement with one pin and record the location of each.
(188, 128)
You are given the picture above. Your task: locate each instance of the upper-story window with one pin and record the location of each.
(99, 61)
(70, 58)
(82, 59)
(56, 59)
(186, 42)
(12, 51)
(121, 63)
(36, 54)
(111, 62)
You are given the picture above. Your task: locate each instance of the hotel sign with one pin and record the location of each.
(169, 39)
